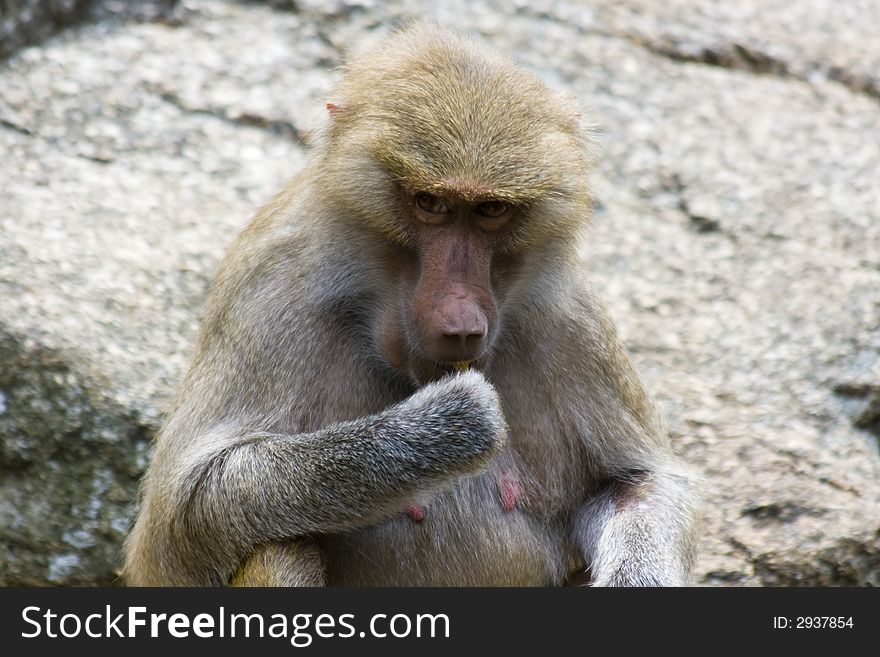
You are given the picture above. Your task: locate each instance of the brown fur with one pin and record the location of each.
(269, 565)
(307, 424)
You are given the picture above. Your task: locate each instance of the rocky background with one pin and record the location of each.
(737, 241)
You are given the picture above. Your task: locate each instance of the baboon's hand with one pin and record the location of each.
(453, 426)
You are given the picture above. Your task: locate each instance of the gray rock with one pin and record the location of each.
(28, 22)
(24, 22)
(811, 40)
(737, 243)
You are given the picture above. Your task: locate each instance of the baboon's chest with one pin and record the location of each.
(481, 532)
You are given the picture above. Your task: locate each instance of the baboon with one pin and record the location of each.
(403, 377)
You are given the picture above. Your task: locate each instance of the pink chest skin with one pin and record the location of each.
(508, 493)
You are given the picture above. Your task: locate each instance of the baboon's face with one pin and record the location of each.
(449, 304)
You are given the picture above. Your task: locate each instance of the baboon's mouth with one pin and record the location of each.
(458, 366)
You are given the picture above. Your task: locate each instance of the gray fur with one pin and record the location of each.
(238, 490)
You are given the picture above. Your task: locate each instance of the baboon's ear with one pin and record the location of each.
(333, 109)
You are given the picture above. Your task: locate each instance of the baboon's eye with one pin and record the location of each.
(432, 204)
(494, 215)
(492, 209)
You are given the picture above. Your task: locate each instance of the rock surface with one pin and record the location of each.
(28, 22)
(737, 242)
